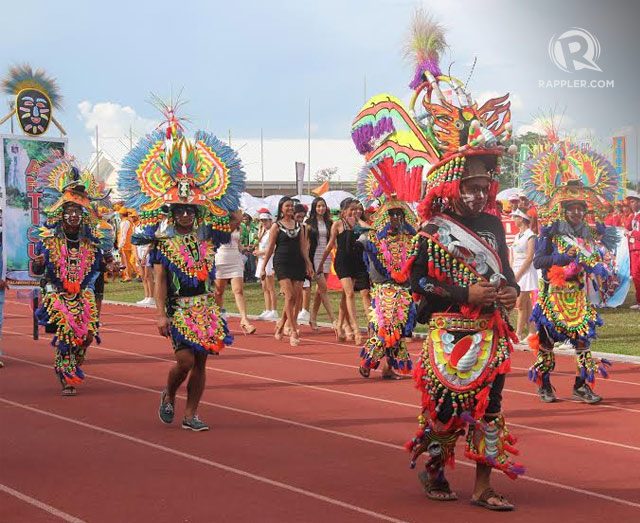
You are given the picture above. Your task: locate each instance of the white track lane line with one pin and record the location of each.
(343, 435)
(39, 504)
(355, 395)
(324, 342)
(513, 391)
(210, 463)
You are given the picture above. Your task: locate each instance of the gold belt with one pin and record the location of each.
(457, 322)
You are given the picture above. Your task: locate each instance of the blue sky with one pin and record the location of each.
(248, 65)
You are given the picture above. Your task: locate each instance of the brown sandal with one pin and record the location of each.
(489, 493)
(364, 372)
(437, 490)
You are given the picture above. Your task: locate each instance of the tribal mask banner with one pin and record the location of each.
(22, 193)
(33, 110)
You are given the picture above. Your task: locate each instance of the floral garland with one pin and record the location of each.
(70, 265)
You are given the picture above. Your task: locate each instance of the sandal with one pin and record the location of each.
(392, 376)
(69, 391)
(278, 333)
(247, 328)
(489, 493)
(364, 372)
(338, 331)
(294, 341)
(437, 490)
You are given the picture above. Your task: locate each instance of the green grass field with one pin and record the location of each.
(620, 333)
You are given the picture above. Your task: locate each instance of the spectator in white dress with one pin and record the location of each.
(230, 268)
(521, 253)
(268, 283)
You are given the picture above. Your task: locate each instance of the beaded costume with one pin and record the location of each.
(166, 169)
(467, 348)
(72, 264)
(392, 315)
(559, 173)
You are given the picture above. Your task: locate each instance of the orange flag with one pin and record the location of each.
(320, 190)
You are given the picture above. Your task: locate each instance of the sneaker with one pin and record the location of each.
(586, 394)
(635, 307)
(263, 315)
(195, 424)
(547, 393)
(166, 410)
(151, 302)
(274, 316)
(142, 302)
(304, 316)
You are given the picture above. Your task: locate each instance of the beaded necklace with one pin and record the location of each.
(71, 265)
(190, 256)
(391, 251)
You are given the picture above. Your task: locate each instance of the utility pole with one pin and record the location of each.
(97, 156)
(309, 149)
(262, 159)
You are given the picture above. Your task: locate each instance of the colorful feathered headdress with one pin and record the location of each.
(64, 182)
(440, 129)
(562, 171)
(167, 168)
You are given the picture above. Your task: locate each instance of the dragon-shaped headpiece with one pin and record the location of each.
(441, 128)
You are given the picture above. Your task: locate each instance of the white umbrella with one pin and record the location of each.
(507, 194)
(305, 199)
(333, 198)
(271, 203)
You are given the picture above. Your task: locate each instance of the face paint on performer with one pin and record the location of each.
(396, 219)
(574, 213)
(71, 216)
(474, 186)
(184, 216)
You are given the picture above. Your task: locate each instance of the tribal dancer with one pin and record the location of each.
(459, 266)
(392, 315)
(185, 191)
(70, 259)
(567, 181)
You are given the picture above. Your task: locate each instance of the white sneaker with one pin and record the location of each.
(273, 315)
(142, 301)
(151, 302)
(264, 315)
(303, 316)
(635, 307)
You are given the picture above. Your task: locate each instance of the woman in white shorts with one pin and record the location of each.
(268, 283)
(230, 267)
(521, 253)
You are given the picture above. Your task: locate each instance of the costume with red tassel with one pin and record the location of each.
(467, 347)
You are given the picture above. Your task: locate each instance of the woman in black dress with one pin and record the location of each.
(345, 265)
(290, 249)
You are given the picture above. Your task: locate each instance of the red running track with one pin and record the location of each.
(297, 435)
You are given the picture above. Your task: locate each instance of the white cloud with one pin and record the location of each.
(115, 122)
